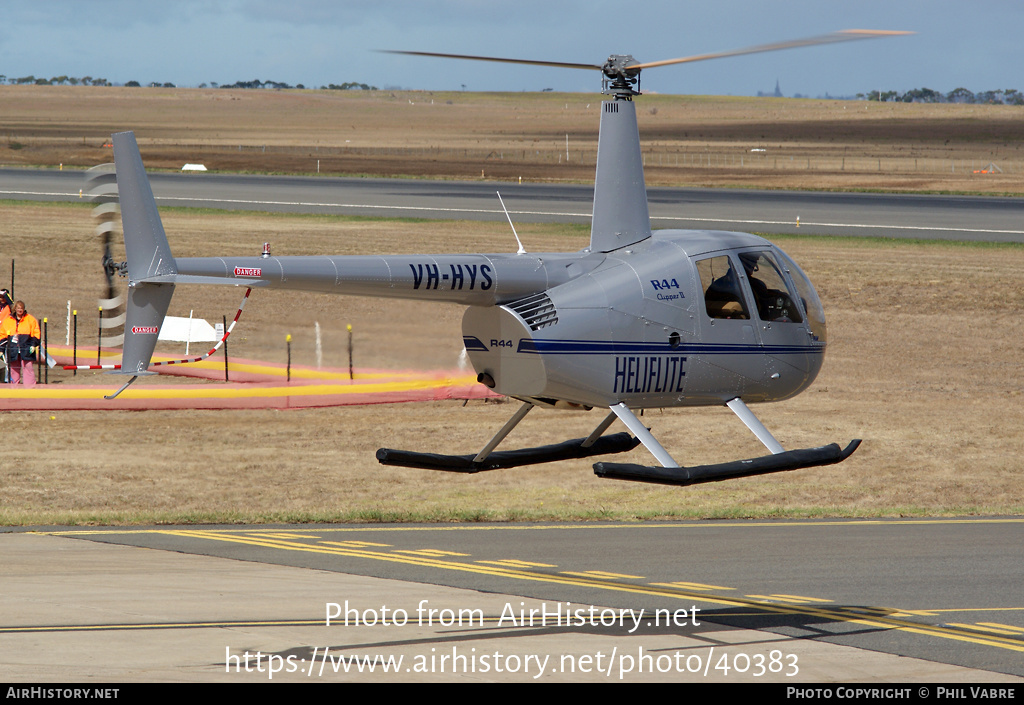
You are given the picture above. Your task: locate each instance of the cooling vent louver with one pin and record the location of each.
(537, 311)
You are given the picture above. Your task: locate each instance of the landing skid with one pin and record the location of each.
(616, 443)
(597, 444)
(778, 462)
(487, 459)
(672, 474)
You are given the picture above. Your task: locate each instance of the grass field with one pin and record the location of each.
(923, 364)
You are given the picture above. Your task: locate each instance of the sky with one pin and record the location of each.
(977, 45)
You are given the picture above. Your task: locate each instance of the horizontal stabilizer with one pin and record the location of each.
(779, 462)
(193, 279)
(615, 443)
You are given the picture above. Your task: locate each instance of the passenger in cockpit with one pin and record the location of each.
(724, 297)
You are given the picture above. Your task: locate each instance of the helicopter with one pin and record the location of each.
(639, 319)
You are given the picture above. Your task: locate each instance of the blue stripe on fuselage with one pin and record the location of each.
(605, 347)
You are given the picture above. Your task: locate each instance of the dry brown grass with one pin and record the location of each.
(810, 143)
(923, 363)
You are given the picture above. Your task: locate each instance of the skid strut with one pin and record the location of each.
(672, 474)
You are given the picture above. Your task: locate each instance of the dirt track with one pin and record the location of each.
(687, 140)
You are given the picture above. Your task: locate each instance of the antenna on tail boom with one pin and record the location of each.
(521, 250)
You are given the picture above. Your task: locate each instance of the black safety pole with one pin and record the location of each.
(225, 349)
(99, 337)
(351, 375)
(46, 348)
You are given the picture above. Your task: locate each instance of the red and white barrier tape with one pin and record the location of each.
(214, 349)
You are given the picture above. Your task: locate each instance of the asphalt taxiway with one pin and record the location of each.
(937, 601)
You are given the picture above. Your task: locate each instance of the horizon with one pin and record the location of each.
(1014, 94)
(316, 42)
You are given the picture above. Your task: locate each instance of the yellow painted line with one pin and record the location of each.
(433, 553)
(512, 563)
(355, 544)
(993, 630)
(978, 609)
(282, 535)
(919, 613)
(163, 625)
(239, 391)
(894, 612)
(590, 527)
(603, 574)
(833, 615)
(273, 371)
(799, 598)
(693, 586)
(793, 599)
(997, 625)
(85, 357)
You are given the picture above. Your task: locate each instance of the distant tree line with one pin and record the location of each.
(351, 86)
(257, 83)
(1009, 96)
(90, 81)
(55, 81)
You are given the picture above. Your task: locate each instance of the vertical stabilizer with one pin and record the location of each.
(620, 197)
(148, 254)
(145, 243)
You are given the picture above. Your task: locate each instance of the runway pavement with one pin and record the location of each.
(865, 601)
(847, 214)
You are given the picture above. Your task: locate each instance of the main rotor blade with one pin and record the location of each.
(846, 35)
(557, 64)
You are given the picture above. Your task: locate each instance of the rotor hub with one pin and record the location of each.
(621, 79)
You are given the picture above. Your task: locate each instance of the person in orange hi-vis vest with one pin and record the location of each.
(20, 333)
(5, 305)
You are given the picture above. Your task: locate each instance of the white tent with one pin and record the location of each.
(187, 330)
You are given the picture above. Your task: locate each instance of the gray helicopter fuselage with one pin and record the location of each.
(650, 324)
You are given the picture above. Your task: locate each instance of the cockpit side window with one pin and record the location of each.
(723, 296)
(772, 296)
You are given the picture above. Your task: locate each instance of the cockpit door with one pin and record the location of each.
(779, 316)
(728, 350)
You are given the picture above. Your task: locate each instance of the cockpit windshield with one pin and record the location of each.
(772, 295)
(777, 287)
(808, 297)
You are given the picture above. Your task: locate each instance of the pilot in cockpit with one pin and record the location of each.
(773, 301)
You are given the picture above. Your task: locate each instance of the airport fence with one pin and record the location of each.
(671, 158)
(780, 159)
